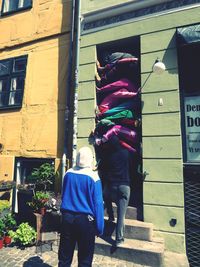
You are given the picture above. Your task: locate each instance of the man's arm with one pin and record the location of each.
(99, 207)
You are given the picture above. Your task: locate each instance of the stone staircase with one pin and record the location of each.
(140, 246)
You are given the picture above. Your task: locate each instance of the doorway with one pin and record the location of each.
(110, 54)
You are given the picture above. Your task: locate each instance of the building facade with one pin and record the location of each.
(34, 53)
(148, 29)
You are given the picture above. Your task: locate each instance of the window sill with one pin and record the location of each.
(10, 107)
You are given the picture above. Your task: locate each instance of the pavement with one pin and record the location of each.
(47, 256)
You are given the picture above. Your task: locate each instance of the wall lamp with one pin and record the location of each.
(159, 66)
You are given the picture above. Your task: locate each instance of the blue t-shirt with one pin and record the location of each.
(82, 192)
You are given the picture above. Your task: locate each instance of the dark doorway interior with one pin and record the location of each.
(132, 46)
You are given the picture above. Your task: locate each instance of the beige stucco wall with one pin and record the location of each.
(96, 5)
(44, 19)
(37, 129)
(91, 5)
(6, 167)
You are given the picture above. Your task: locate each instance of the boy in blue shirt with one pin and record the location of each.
(82, 211)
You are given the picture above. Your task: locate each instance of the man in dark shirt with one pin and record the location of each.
(116, 175)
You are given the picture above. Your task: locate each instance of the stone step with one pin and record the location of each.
(172, 259)
(158, 239)
(131, 212)
(133, 229)
(135, 251)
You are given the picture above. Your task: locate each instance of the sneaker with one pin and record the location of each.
(119, 243)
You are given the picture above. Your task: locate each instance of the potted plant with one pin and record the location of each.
(6, 185)
(43, 177)
(39, 202)
(2, 228)
(10, 223)
(24, 235)
(4, 207)
(40, 179)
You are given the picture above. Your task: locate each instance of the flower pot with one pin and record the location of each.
(24, 196)
(1, 242)
(7, 240)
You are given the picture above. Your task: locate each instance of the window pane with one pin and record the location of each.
(24, 3)
(10, 5)
(16, 87)
(13, 5)
(15, 98)
(27, 3)
(3, 88)
(3, 85)
(12, 78)
(3, 97)
(21, 3)
(4, 67)
(19, 64)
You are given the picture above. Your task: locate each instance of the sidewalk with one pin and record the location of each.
(14, 257)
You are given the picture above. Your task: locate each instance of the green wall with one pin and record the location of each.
(162, 145)
(91, 5)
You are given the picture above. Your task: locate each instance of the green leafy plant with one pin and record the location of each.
(39, 200)
(9, 222)
(24, 235)
(4, 207)
(6, 185)
(4, 204)
(2, 228)
(45, 175)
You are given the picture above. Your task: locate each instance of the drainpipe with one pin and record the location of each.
(73, 51)
(18, 175)
(68, 89)
(76, 82)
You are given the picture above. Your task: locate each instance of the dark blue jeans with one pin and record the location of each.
(76, 229)
(119, 194)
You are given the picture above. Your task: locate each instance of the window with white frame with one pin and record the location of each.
(9, 6)
(12, 78)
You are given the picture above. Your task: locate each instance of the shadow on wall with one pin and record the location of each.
(170, 57)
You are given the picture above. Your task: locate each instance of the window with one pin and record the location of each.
(23, 168)
(189, 57)
(12, 77)
(10, 6)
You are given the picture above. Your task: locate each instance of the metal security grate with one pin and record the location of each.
(193, 246)
(192, 216)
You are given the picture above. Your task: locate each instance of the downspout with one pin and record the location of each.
(68, 89)
(76, 81)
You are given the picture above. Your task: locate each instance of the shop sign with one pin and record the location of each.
(192, 128)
